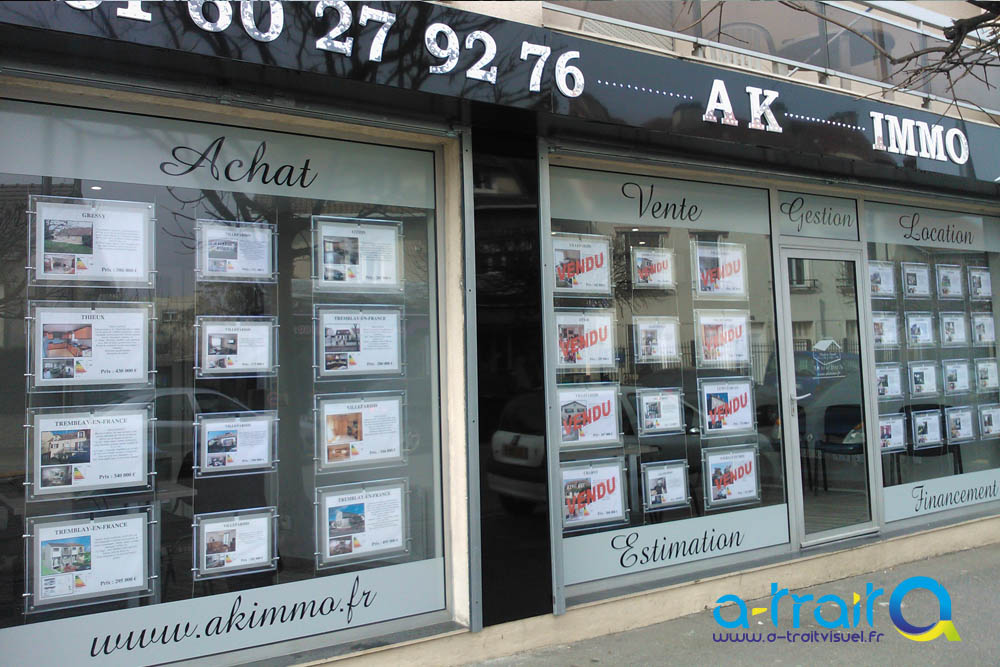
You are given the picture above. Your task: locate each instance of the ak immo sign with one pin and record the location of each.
(906, 136)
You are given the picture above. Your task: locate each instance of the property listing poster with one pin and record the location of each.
(85, 449)
(927, 428)
(885, 328)
(959, 422)
(727, 406)
(586, 339)
(949, 281)
(653, 268)
(87, 346)
(588, 415)
(592, 494)
(987, 377)
(954, 332)
(665, 484)
(916, 280)
(235, 251)
(234, 542)
(723, 337)
(359, 341)
(582, 264)
(731, 475)
(660, 411)
(882, 278)
(236, 346)
(656, 339)
(93, 241)
(983, 329)
(989, 420)
(920, 329)
(362, 522)
(360, 429)
(357, 255)
(720, 270)
(889, 381)
(892, 432)
(957, 378)
(236, 442)
(980, 283)
(81, 559)
(923, 378)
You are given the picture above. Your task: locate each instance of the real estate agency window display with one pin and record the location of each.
(231, 375)
(662, 338)
(932, 298)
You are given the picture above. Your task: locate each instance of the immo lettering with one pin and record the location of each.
(578, 420)
(918, 139)
(847, 615)
(189, 159)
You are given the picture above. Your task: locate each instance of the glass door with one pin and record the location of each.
(825, 408)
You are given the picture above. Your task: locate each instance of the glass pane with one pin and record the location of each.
(830, 393)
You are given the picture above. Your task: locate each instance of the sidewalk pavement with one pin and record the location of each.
(972, 578)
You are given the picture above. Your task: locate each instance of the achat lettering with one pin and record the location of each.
(189, 159)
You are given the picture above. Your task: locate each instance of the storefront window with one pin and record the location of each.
(931, 275)
(232, 381)
(663, 345)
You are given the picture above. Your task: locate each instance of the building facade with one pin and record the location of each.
(390, 324)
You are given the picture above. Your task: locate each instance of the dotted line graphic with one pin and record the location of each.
(823, 121)
(645, 89)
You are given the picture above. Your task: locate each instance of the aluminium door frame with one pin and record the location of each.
(835, 251)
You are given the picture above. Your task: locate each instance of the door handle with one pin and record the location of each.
(799, 398)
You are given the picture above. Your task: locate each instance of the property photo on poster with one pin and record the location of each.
(885, 329)
(730, 475)
(656, 339)
(923, 378)
(361, 521)
(949, 281)
(84, 345)
(237, 251)
(357, 254)
(888, 381)
(954, 330)
(957, 376)
(727, 406)
(983, 331)
(358, 429)
(960, 425)
(229, 542)
(237, 346)
(989, 420)
(892, 432)
(920, 330)
(980, 283)
(987, 376)
(916, 280)
(652, 268)
(592, 493)
(720, 270)
(589, 415)
(585, 340)
(581, 264)
(927, 429)
(236, 442)
(78, 558)
(723, 338)
(660, 411)
(358, 341)
(665, 485)
(89, 448)
(93, 241)
(882, 278)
